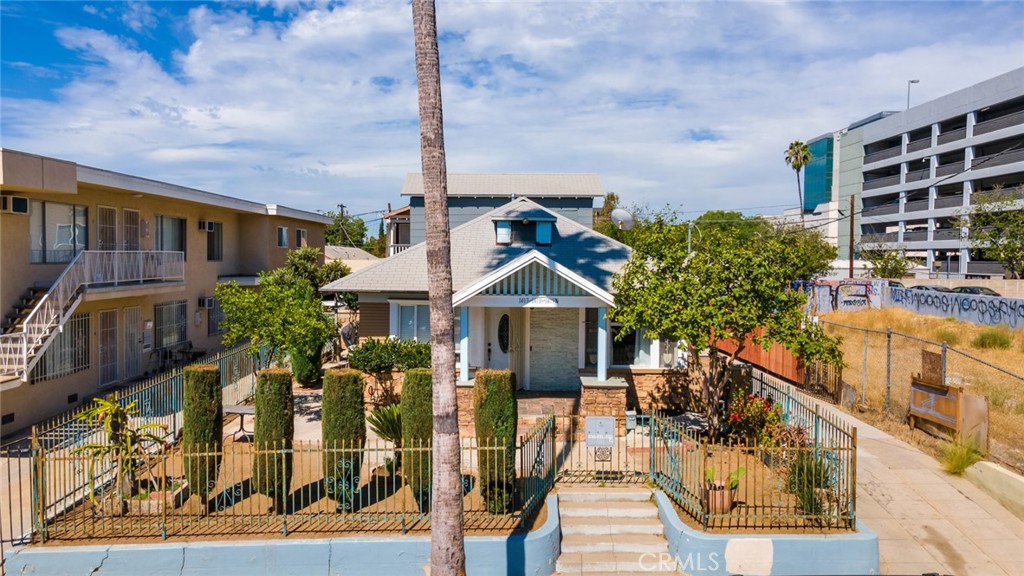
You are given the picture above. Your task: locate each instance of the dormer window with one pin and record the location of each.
(503, 232)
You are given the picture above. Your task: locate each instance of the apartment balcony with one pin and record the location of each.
(883, 154)
(999, 123)
(881, 210)
(949, 201)
(946, 234)
(998, 159)
(918, 145)
(949, 169)
(915, 236)
(953, 135)
(918, 175)
(397, 248)
(882, 182)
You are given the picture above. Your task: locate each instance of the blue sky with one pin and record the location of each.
(312, 104)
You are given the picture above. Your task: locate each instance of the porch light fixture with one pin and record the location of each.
(526, 221)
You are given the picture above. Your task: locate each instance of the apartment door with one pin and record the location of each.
(130, 229)
(108, 347)
(106, 228)
(132, 342)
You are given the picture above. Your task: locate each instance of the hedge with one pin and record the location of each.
(272, 439)
(307, 366)
(344, 433)
(495, 413)
(417, 429)
(203, 423)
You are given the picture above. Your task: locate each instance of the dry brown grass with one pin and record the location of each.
(1005, 390)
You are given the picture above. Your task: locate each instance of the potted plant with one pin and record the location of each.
(720, 494)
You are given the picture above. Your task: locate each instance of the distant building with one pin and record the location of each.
(106, 278)
(354, 258)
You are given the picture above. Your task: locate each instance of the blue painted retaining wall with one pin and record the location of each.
(700, 553)
(532, 554)
(984, 310)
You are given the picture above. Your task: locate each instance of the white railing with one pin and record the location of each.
(89, 268)
(396, 248)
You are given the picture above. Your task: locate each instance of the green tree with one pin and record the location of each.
(603, 220)
(996, 224)
(272, 436)
(744, 228)
(724, 289)
(809, 255)
(346, 230)
(343, 433)
(798, 155)
(202, 435)
(888, 261)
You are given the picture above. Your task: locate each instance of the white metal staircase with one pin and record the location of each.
(21, 350)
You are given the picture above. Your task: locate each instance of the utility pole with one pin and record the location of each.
(851, 235)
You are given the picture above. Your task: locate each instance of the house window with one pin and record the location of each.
(634, 348)
(414, 322)
(69, 352)
(215, 242)
(171, 323)
(300, 238)
(170, 234)
(57, 232)
(282, 236)
(215, 319)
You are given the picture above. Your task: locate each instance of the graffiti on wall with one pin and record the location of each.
(846, 295)
(987, 310)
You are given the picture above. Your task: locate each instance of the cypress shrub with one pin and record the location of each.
(203, 419)
(417, 428)
(307, 364)
(496, 416)
(344, 433)
(272, 439)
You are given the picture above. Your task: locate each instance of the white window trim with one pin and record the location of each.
(393, 328)
(654, 354)
(301, 232)
(280, 236)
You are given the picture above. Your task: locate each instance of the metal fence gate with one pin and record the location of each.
(603, 449)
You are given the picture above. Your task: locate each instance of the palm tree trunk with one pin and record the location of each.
(447, 547)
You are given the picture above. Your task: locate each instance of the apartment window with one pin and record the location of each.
(57, 232)
(170, 234)
(170, 323)
(69, 352)
(215, 242)
(216, 318)
(300, 238)
(414, 322)
(282, 236)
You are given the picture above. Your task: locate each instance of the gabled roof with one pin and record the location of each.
(514, 185)
(593, 257)
(347, 253)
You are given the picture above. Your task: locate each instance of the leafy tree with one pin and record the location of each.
(996, 223)
(798, 155)
(303, 265)
(724, 289)
(888, 262)
(809, 254)
(447, 538)
(603, 220)
(346, 230)
(744, 228)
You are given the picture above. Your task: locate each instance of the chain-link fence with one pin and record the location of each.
(880, 364)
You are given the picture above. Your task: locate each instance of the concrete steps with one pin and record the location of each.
(610, 531)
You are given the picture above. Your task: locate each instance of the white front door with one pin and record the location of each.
(499, 336)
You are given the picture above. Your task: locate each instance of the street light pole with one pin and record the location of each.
(909, 82)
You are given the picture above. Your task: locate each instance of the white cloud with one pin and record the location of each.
(318, 105)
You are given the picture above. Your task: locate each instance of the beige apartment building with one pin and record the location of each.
(106, 278)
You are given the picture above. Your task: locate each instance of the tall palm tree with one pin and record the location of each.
(447, 545)
(797, 156)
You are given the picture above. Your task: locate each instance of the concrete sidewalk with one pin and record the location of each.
(926, 519)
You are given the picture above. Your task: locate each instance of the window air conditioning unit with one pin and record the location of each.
(14, 204)
(206, 302)
(205, 226)
(210, 226)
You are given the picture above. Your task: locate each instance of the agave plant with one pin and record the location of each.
(386, 422)
(127, 447)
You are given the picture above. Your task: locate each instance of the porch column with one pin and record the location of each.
(464, 344)
(602, 344)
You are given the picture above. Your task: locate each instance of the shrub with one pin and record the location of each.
(752, 417)
(417, 427)
(958, 457)
(373, 356)
(272, 439)
(386, 422)
(410, 354)
(949, 337)
(992, 338)
(809, 473)
(307, 365)
(203, 419)
(344, 433)
(496, 416)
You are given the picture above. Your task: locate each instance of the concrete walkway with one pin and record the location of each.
(926, 519)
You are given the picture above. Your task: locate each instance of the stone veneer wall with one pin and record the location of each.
(554, 349)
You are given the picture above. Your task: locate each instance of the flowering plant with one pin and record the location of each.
(752, 417)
